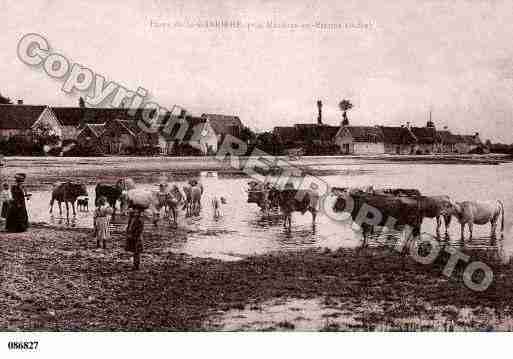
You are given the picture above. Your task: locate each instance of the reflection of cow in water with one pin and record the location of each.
(67, 192)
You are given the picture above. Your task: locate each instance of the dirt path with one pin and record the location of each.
(57, 280)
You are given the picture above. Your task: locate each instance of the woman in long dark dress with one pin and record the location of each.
(17, 217)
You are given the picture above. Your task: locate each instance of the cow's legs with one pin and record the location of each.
(73, 206)
(493, 229)
(447, 220)
(314, 216)
(60, 208)
(462, 231)
(470, 228)
(438, 224)
(67, 210)
(113, 205)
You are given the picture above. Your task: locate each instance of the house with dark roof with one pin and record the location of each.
(224, 124)
(74, 118)
(398, 140)
(360, 140)
(318, 134)
(89, 136)
(447, 142)
(26, 120)
(467, 143)
(287, 135)
(197, 133)
(122, 136)
(427, 139)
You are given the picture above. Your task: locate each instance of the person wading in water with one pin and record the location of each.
(17, 217)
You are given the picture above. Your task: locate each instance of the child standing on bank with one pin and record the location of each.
(5, 199)
(102, 215)
(134, 232)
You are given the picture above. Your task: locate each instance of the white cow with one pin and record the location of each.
(145, 199)
(474, 212)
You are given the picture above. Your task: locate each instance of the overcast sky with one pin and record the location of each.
(455, 58)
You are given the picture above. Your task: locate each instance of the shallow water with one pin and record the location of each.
(316, 314)
(243, 230)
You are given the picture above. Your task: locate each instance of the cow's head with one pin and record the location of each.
(256, 196)
(453, 208)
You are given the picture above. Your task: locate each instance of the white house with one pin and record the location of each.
(360, 140)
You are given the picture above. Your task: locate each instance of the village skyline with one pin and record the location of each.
(395, 70)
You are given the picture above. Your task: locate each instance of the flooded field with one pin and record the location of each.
(242, 230)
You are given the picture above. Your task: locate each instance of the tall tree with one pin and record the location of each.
(345, 105)
(5, 100)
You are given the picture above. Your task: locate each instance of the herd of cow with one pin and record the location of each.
(370, 208)
(168, 197)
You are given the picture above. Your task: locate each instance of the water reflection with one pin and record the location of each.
(243, 230)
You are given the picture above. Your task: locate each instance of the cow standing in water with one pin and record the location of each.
(67, 192)
(264, 195)
(474, 212)
(111, 193)
(437, 207)
(292, 200)
(370, 210)
(193, 192)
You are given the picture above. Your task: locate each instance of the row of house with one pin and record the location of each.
(379, 139)
(118, 130)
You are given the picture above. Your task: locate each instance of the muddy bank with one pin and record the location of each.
(57, 280)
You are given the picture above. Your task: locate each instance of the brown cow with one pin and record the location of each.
(67, 192)
(302, 200)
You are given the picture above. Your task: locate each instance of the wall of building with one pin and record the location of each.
(70, 132)
(6, 133)
(47, 118)
(398, 149)
(368, 148)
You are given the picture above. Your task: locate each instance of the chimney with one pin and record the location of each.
(20, 102)
(319, 116)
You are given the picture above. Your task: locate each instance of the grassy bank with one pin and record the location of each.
(55, 279)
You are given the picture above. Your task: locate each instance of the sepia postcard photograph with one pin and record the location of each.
(254, 166)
